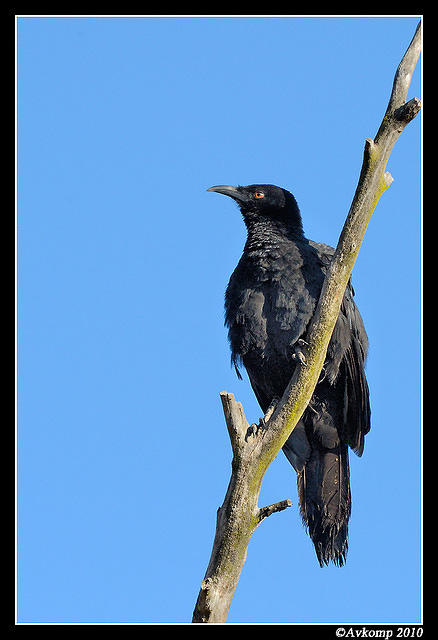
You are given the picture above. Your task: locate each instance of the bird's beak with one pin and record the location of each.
(228, 190)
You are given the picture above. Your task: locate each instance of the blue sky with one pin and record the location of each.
(123, 259)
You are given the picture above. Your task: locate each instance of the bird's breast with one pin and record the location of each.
(268, 306)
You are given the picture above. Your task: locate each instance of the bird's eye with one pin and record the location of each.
(259, 194)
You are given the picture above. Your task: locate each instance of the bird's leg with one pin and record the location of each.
(270, 410)
(323, 373)
(298, 353)
(253, 429)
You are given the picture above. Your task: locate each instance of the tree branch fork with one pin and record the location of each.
(254, 448)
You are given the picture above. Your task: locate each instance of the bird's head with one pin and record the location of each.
(263, 202)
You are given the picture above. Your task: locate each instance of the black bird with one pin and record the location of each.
(269, 303)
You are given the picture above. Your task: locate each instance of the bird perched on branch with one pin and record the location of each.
(270, 300)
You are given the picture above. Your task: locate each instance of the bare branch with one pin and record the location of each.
(235, 419)
(397, 109)
(404, 72)
(265, 512)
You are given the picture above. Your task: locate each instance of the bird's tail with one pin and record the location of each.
(325, 502)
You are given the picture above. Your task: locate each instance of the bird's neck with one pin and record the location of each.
(268, 232)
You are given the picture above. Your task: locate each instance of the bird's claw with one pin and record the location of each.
(253, 429)
(323, 373)
(298, 353)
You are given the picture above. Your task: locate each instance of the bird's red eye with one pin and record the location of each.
(259, 194)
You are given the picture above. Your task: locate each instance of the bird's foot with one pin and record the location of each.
(323, 373)
(298, 351)
(253, 429)
(272, 406)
